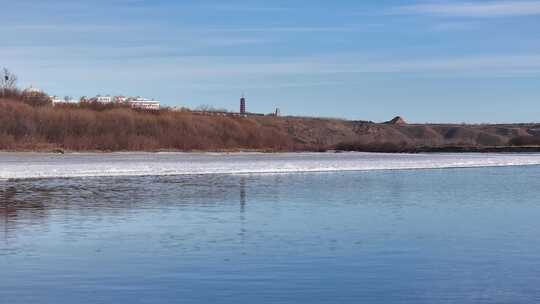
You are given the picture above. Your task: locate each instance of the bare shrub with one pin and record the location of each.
(113, 128)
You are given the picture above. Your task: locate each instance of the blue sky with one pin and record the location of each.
(429, 61)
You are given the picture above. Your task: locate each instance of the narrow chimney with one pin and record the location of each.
(243, 105)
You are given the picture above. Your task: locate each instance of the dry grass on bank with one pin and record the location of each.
(36, 125)
(26, 127)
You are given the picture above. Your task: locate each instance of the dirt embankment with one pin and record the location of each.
(444, 138)
(47, 128)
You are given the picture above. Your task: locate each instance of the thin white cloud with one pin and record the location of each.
(474, 9)
(456, 26)
(256, 85)
(243, 8)
(486, 64)
(291, 29)
(67, 28)
(240, 67)
(166, 64)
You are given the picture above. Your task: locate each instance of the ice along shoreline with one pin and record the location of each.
(39, 165)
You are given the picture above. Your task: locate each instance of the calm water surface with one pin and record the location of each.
(416, 236)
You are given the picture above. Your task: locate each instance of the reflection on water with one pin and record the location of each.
(456, 236)
(27, 203)
(242, 194)
(16, 209)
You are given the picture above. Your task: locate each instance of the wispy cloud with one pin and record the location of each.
(116, 28)
(455, 26)
(291, 29)
(474, 9)
(487, 65)
(243, 8)
(484, 65)
(69, 28)
(173, 63)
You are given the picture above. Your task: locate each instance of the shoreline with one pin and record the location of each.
(456, 150)
(419, 150)
(42, 166)
(33, 128)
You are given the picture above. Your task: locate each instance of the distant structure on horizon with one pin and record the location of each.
(32, 93)
(56, 100)
(102, 99)
(134, 102)
(243, 105)
(143, 103)
(137, 102)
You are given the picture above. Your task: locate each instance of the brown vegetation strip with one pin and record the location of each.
(27, 126)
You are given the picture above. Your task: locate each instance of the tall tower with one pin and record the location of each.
(243, 105)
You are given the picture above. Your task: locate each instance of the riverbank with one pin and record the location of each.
(62, 129)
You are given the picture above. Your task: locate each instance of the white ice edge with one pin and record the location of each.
(26, 166)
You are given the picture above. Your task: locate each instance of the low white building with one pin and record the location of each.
(143, 103)
(102, 99)
(66, 100)
(120, 99)
(57, 100)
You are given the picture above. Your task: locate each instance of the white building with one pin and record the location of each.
(57, 100)
(120, 99)
(143, 103)
(102, 99)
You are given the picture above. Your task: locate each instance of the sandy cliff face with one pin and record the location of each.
(397, 135)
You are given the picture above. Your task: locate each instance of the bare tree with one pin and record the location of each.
(209, 108)
(8, 81)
